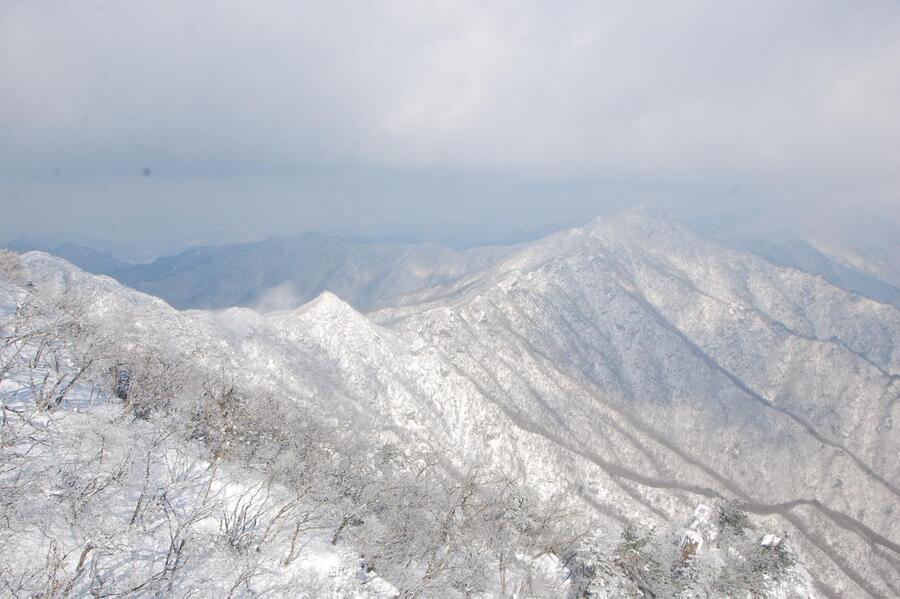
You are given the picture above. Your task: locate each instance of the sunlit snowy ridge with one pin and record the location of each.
(514, 430)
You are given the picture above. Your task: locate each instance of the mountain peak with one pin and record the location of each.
(327, 305)
(639, 225)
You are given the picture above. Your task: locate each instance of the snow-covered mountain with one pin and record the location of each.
(283, 273)
(856, 252)
(857, 275)
(667, 362)
(628, 370)
(81, 256)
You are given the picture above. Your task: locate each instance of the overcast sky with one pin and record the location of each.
(149, 125)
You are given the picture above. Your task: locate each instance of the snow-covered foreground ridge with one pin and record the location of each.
(489, 438)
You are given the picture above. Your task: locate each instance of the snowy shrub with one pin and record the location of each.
(732, 518)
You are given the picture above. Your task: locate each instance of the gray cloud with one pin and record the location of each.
(278, 103)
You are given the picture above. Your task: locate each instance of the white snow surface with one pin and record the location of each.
(629, 364)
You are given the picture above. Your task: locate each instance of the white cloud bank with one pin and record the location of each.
(805, 91)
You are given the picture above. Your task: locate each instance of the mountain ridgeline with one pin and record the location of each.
(629, 370)
(283, 273)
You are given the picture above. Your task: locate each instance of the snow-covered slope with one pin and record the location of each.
(855, 250)
(672, 363)
(629, 367)
(803, 255)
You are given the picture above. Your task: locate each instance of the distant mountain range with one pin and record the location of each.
(283, 273)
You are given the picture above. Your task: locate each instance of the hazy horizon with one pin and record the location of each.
(144, 131)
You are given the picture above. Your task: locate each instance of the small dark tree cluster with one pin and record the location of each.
(732, 518)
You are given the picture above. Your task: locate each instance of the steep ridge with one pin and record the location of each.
(803, 255)
(629, 363)
(334, 360)
(752, 380)
(870, 248)
(324, 355)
